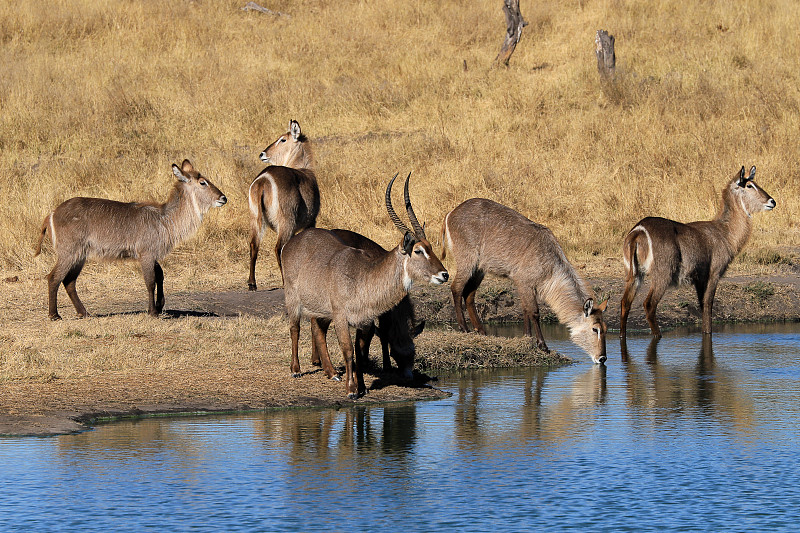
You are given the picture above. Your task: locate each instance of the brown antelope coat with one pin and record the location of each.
(698, 252)
(486, 237)
(328, 281)
(284, 196)
(95, 227)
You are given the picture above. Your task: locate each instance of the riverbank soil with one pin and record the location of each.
(227, 349)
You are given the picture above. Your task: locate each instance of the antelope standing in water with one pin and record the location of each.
(698, 252)
(485, 236)
(284, 196)
(328, 281)
(85, 227)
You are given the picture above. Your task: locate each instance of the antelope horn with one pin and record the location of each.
(419, 231)
(396, 219)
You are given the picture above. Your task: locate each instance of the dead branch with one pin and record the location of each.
(514, 25)
(252, 6)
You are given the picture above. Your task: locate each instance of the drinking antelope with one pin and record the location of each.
(487, 237)
(328, 281)
(284, 196)
(84, 227)
(698, 252)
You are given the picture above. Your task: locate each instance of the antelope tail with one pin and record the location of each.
(42, 233)
(630, 254)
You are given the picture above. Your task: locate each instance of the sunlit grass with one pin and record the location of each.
(99, 98)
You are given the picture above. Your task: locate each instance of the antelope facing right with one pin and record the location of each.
(698, 252)
(284, 196)
(485, 236)
(328, 281)
(84, 227)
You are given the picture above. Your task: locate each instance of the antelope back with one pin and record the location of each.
(747, 194)
(292, 149)
(484, 234)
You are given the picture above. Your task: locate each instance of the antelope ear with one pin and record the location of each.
(602, 306)
(741, 181)
(408, 243)
(178, 174)
(588, 305)
(752, 173)
(294, 129)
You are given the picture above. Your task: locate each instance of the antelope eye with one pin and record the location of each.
(418, 251)
(281, 140)
(750, 186)
(204, 183)
(596, 330)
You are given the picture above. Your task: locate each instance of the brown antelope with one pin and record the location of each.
(85, 227)
(487, 237)
(328, 281)
(284, 196)
(397, 327)
(698, 252)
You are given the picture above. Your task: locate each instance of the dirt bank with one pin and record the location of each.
(47, 406)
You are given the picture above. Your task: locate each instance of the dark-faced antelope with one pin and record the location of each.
(328, 281)
(86, 227)
(487, 237)
(698, 252)
(284, 196)
(397, 327)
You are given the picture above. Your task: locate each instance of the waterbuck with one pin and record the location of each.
(698, 252)
(328, 281)
(487, 237)
(397, 327)
(284, 196)
(95, 227)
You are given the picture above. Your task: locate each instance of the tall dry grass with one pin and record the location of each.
(98, 98)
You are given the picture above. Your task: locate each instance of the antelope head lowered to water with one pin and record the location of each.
(328, 281)
(487, 237)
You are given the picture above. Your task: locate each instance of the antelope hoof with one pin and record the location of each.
(296, 374)
(252, 286)
(543, 347)
(336, 378)
(353, 396)
(55, 317)
(601, 360)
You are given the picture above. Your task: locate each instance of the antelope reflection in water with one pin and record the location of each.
(526, 410)
(666, 389)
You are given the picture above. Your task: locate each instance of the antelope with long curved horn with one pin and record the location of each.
(329, 282)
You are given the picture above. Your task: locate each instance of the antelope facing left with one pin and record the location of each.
(485, 236)
(95, 227)
(698, 252)
(284, 196)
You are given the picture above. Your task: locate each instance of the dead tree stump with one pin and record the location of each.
(514, 25)
(604, 50)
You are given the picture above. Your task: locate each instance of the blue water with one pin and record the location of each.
(676, 436)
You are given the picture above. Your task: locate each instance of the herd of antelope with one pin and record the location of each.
(342, 277)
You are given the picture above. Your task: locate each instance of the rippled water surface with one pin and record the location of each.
(679, 435)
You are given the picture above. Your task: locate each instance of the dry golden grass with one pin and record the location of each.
(100, 97)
